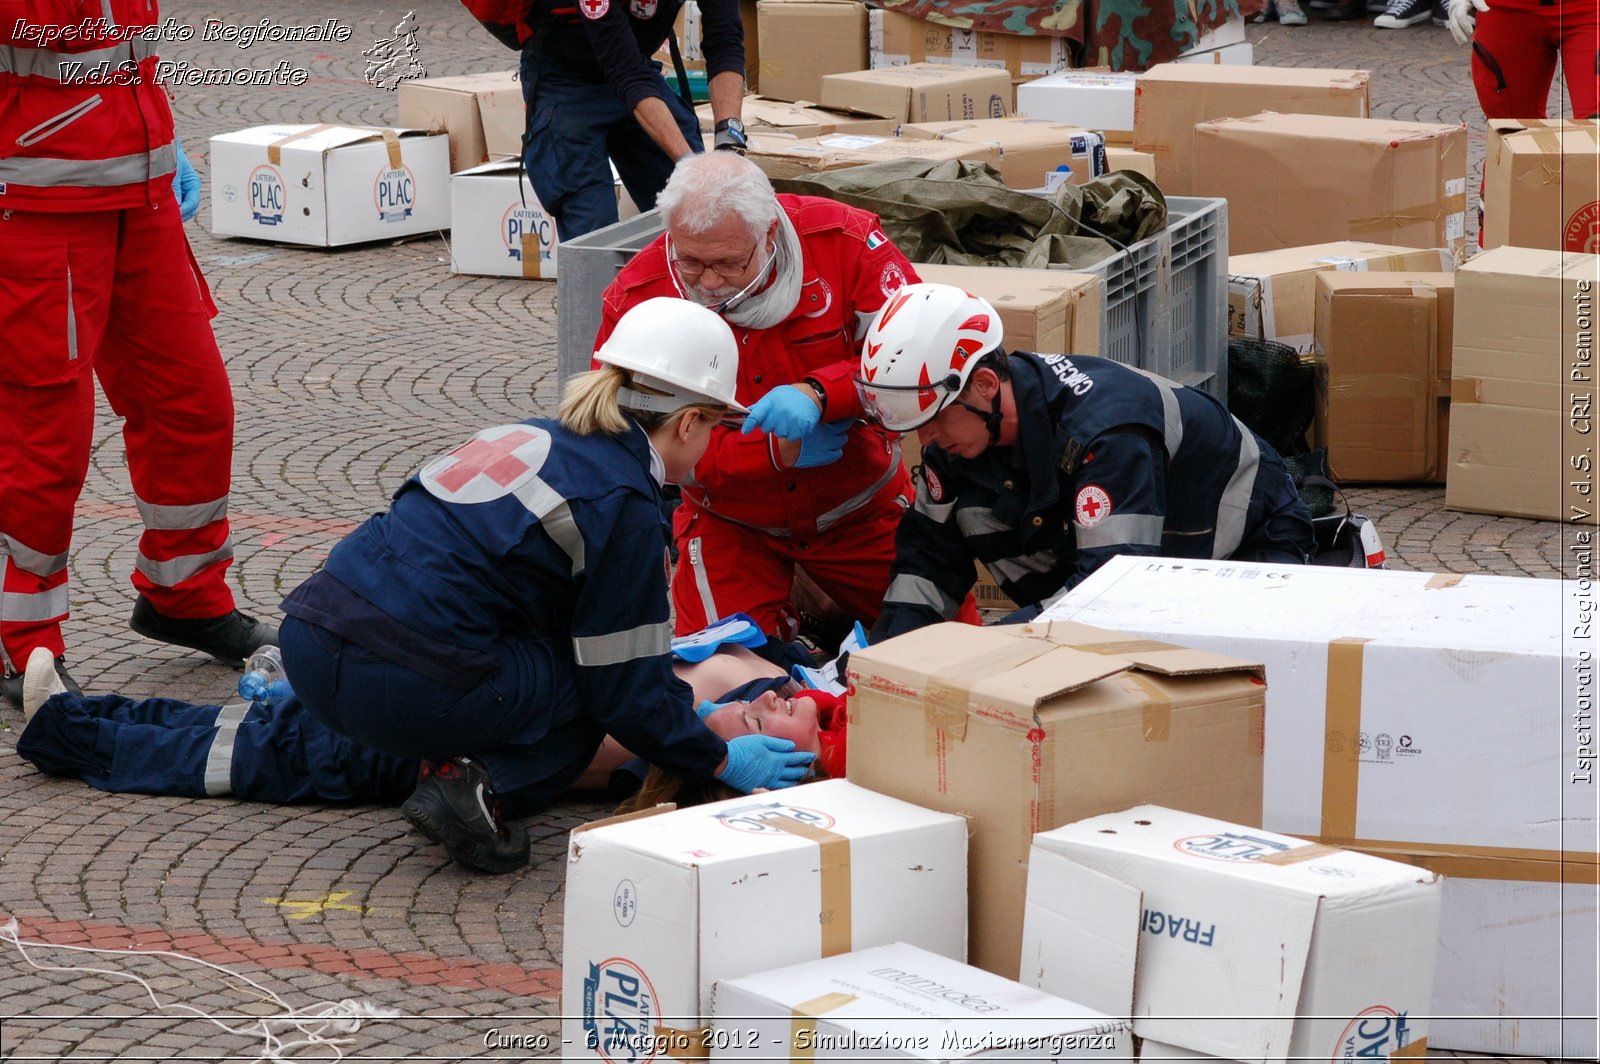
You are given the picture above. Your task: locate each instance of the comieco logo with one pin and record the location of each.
(1375, 1033)
(753, 818)
(619, 1012)
(1228, 846)
(934, 988)
(394, 193)
(266, 196)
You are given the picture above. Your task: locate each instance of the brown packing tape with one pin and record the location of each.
(1417, 1050)
(391, 143)
(275, 149)
(803, 1035)
(1341, 756)
(1466, 390)
(1125, 647)
(684, 1043)
(1299, 854)
(945, 708)
(1482, 862)
(1157, 708)
(1442, 580)
(530, 256)
(834, 918)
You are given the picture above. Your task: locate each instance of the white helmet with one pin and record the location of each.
(678, 349)
(920, 350)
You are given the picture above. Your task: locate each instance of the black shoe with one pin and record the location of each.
(231, 637)
(455, 805)
(1402, 13)
(11, 683)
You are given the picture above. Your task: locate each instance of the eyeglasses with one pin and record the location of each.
(727, 269)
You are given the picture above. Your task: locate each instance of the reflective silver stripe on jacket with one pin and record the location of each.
(555, 517)
(1143, 529)
(980, 521)
(46, 65)
(1234, 507)
(908, 590)
(1009, 569)
(615, 648)
(91, 173)
(702, 579)
(833, 516)
(51, 605)
(180, 518)
(29, 560)
(219, 758)
(174, 571)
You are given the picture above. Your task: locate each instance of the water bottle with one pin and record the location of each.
(263, 676)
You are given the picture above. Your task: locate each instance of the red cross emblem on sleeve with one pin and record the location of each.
(1092, 506)
(493, 463)
(594, 9)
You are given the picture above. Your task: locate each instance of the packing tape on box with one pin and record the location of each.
(530, 256)
(275, 149)
(1157, 707)
(1126, 647)
(803, 1032)
(947, 696)
(1341, 754)
(1417, 1050)
(683, 1043)
(1483, 862)
(1299, 854)
(834, 918)
(391, 141)
(1442, 580)
(1466, 390)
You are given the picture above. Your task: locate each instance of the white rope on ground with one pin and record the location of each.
(316, 1025)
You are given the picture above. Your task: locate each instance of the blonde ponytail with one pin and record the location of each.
(589, 402)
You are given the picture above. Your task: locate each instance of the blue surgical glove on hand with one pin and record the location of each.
(786, 411)
(824, 444)
(756, 761)
(185, 184)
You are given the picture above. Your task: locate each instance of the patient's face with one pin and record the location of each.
(771, 714)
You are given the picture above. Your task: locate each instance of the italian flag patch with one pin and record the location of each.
(876, 240)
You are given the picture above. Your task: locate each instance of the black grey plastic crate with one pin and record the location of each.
(1165, 307)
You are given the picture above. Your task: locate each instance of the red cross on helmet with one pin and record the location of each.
(919, 351)
(680, 352)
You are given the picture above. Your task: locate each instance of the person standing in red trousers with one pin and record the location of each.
(1515, 45)
(97, 281)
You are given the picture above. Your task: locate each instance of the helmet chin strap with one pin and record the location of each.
(991, 417)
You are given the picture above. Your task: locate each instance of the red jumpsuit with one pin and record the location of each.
(97, 280)
(1514, 51)
(744, 524)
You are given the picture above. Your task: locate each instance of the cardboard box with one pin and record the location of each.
(1241, 54)
(1541, 184)
(898, 1002)
(498, 230)
(1522, 392)
(1044, 311)
(804, 40)
(897, 40)
(483, 114)
(1427, 719)
(1140, 162)
(779, 118)
(329, 185)
(660, 907)
(1099, 100)
(1233, 941)
(921, 92)
(1302, 179)
(1383, 352)
(1272, 295)
(780, 157)
(1030, 148)
(1175, 97)
(1024, 729)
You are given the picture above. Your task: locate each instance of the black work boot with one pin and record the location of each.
(12, 683)
(455, 805)
(233, 637)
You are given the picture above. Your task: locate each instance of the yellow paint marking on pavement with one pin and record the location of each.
(316, 907)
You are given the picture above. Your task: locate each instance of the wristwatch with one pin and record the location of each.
(730, 136)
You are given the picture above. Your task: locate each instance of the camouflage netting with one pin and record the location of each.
(962, 214)
(1120, 34)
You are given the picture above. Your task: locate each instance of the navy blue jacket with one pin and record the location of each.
(612, 41)
(526, 531)
(1108, 460)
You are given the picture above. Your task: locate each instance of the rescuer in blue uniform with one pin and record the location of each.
(594, 93)
(510, 609)
(1044, 466)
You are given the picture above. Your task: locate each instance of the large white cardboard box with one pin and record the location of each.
(898, 1002)
(1233, 941)
(1446, 721)
(499, 230)
(660, 907)
(1087, 99)
(329, 185)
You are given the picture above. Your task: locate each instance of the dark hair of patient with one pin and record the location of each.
(661, 786)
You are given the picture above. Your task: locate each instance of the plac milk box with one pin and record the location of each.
(660, 907)
(327, 185)
(498, 229)
(1233, 941)
(898, 1002)
(1441, 720)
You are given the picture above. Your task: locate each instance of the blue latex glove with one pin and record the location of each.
(824, 444)
(185, 184)
(756, 761)
(786, 411)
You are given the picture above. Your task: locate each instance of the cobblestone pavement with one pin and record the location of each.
(350, 367)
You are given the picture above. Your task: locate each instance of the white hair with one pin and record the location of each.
(704, 189)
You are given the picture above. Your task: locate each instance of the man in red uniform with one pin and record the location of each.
(97, 280)
(798, 278)
(1514, 50)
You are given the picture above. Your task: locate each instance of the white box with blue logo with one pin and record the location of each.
(1233, 941)
(328, 185)
(498, 229)
(660, 907)
(898, 1002)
